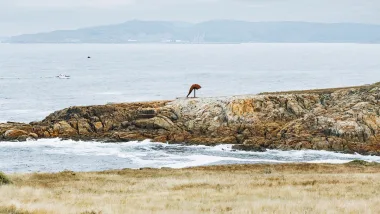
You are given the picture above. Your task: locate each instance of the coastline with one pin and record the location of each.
(285, 188)
(342, 119)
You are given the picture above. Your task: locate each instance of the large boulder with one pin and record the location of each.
(15, 134)
(84, 128)
(63, 128)
(159, 122)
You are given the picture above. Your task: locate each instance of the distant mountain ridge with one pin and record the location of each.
(217, 31)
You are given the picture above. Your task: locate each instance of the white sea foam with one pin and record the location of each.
(56, 155)
(331, 161)
(224, 147)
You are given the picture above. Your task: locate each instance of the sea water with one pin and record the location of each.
(30, 90)
(54, 155)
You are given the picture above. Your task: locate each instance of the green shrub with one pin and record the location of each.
(361, 163)
(12, 210)
(4, 179)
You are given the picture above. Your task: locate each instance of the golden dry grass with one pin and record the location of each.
(285, 188)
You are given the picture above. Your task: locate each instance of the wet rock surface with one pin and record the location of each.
(344, 120)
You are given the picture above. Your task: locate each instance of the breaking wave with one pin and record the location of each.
(52, 155)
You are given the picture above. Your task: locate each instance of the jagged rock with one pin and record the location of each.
(95, 119)
(98, 126)
(63, 128)
(155, 123)
(169, 114)
(346, 120)
(161, 138)
(146, 113)
(124, 136)
(33, 135)
(250, 147)
(107, 124)
(23, 138)
(46, 134)
(15, 134)
(84, 127)
(125, 124)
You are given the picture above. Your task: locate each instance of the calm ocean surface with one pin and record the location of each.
(30, 90)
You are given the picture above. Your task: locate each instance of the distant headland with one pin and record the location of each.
(216, 31)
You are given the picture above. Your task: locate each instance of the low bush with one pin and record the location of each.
(4, 180)
(361, 163)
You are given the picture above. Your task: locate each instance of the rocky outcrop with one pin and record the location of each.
(345, 120)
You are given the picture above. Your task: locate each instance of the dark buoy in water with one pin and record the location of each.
(88, 57)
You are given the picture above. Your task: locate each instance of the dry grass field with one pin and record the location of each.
(282, 188)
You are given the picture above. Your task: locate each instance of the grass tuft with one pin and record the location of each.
(12, 210)
(4, 180)
(361, 163)
(91, 212)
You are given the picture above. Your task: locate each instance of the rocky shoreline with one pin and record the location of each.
(342, 119)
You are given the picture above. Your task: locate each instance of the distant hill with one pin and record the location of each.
(219, 31)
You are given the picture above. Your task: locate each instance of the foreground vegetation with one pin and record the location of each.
(4, 179)
(282, 188)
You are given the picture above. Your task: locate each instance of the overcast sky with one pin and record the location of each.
(30, 16)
